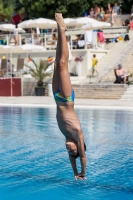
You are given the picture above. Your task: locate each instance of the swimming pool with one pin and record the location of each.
(34, 163)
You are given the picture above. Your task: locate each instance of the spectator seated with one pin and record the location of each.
(118, 79)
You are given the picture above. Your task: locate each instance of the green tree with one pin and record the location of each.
(6, 8)
(69, 8)
(47, 8)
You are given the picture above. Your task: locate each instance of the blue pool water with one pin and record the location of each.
(34, 164)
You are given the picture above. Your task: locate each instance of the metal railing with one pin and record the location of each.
(43, 39)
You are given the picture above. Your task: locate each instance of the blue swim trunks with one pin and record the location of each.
(59, 98)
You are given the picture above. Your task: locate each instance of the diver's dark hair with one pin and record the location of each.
(77, 155)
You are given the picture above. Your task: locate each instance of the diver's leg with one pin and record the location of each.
(62, 61)
(55, 81)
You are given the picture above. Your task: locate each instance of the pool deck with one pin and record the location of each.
(32, 101)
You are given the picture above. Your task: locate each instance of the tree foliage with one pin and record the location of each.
(6, 8)
(69, 8)
(47, 8)
(40, 72)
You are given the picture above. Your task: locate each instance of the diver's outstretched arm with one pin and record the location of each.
(73, 163)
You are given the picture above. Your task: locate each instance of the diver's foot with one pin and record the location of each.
(60, 22)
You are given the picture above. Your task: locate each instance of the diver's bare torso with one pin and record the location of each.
(68, 122)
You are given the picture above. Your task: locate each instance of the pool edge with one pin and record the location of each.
(111, 107)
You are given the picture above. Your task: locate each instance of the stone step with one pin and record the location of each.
(130, 88)
(128, 93)
(127, 100)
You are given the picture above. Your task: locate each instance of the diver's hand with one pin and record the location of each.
(81, 176)
(76, 176)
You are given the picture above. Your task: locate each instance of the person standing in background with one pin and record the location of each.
(132, 10)
(91, 13)
(96, 11)
(16, 36)
(94, 65)
(115, 12)
(108, 13)
(131, 23)
(8, 68)
(16, 19)
(102, 13)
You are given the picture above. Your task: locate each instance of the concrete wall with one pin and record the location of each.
(90, 91)
(87, 59)
(86, 54)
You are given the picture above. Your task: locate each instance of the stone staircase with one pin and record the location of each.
(120, 19)
(128, 94)
(118, 53)
(125, 58)
(96, 91)
(99, 91)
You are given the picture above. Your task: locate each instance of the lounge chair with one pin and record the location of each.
(3, 66)
(3, 63)
(20, 66)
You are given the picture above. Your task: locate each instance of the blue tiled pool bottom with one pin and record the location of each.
(34, 163)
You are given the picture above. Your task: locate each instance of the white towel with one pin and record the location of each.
(81, 43)
(37, 31)
(88, 37)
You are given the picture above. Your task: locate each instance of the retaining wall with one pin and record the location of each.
(90, 91)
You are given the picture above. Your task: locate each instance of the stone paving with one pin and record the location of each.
(49, 101)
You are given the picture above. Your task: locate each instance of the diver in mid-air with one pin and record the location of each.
(63, 93)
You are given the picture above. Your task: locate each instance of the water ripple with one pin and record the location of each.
(34, 162)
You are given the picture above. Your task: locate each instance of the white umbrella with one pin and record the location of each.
(20, 48)
(96, 25)
(10, 27)
(41, 23)
(44, 23)
(26, 47)
(24, 24)
(4, 48)
(85, 20)
(78, 22)
(7, 27)
(20, 30)
(69, 21)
